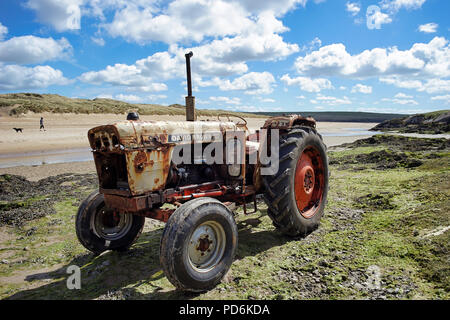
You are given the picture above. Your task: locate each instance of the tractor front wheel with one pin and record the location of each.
(198, 244)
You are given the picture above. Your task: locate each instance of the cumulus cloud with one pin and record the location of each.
(145, 75)
(279, 7)
(308, 84)
(14, 77)
(31, 49)
(228, 56)
(3, 31)
(183, 20)
(428, 28)
(250, 83)
(377, 18)
(62, 15)
(361, 88)
(353, 8)
(239, 41)
(421, 61)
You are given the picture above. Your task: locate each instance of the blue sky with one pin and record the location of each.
(250, 55)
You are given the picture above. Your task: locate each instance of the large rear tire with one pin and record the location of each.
(198, 244)
(99, 229)
(296, 195)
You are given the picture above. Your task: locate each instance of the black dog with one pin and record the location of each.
(18, 129)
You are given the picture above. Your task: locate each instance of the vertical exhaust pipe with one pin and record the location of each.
(190, 100)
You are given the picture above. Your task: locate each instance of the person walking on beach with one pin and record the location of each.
(42, 124)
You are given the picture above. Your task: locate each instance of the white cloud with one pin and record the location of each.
(14, 77)
(401, 101)
(279, 7)
(331, 101)
(239, 35)
(362, 88)
(145, 75)
(219, 58)
(226, 100)
(428, 28)
(227, 56)
(98, 41)
(62, 15)
(445, 99)
(105, 96)
(250, 83)
(128, 98)
(188, 20)
(308, 84)
(31, 49)
(183, 20)
(154, 97)
(423, 59)
(429, 86)
(251, 108)
(401, 95)
(3, 31)
(353, 8)
(315, 43)
(132, 98)
(377, 18)
(266, 100)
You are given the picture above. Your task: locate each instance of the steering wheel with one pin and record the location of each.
(239, 124)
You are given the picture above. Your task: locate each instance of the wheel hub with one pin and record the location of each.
(206, 246)
(309, 181)
(111, 225)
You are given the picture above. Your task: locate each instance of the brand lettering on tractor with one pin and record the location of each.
(197, 137)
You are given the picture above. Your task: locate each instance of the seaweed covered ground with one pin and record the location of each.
(385, 235)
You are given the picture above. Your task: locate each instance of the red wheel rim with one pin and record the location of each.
(309, 182)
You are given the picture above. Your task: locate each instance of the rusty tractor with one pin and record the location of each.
(189, 174)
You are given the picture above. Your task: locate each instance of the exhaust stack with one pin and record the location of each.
(190, 100)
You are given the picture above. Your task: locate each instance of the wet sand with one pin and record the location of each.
(65, 140)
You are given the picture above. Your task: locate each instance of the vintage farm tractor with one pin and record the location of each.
(188, 174)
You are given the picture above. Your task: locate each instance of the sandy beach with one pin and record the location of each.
(65, 138)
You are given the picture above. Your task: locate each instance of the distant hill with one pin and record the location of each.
(20, 103)
(340, 116)
(432, 122)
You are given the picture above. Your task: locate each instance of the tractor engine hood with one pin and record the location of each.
(130, 134)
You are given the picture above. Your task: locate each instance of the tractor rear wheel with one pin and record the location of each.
(99, 229)
(296, 194)
(198, 244)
